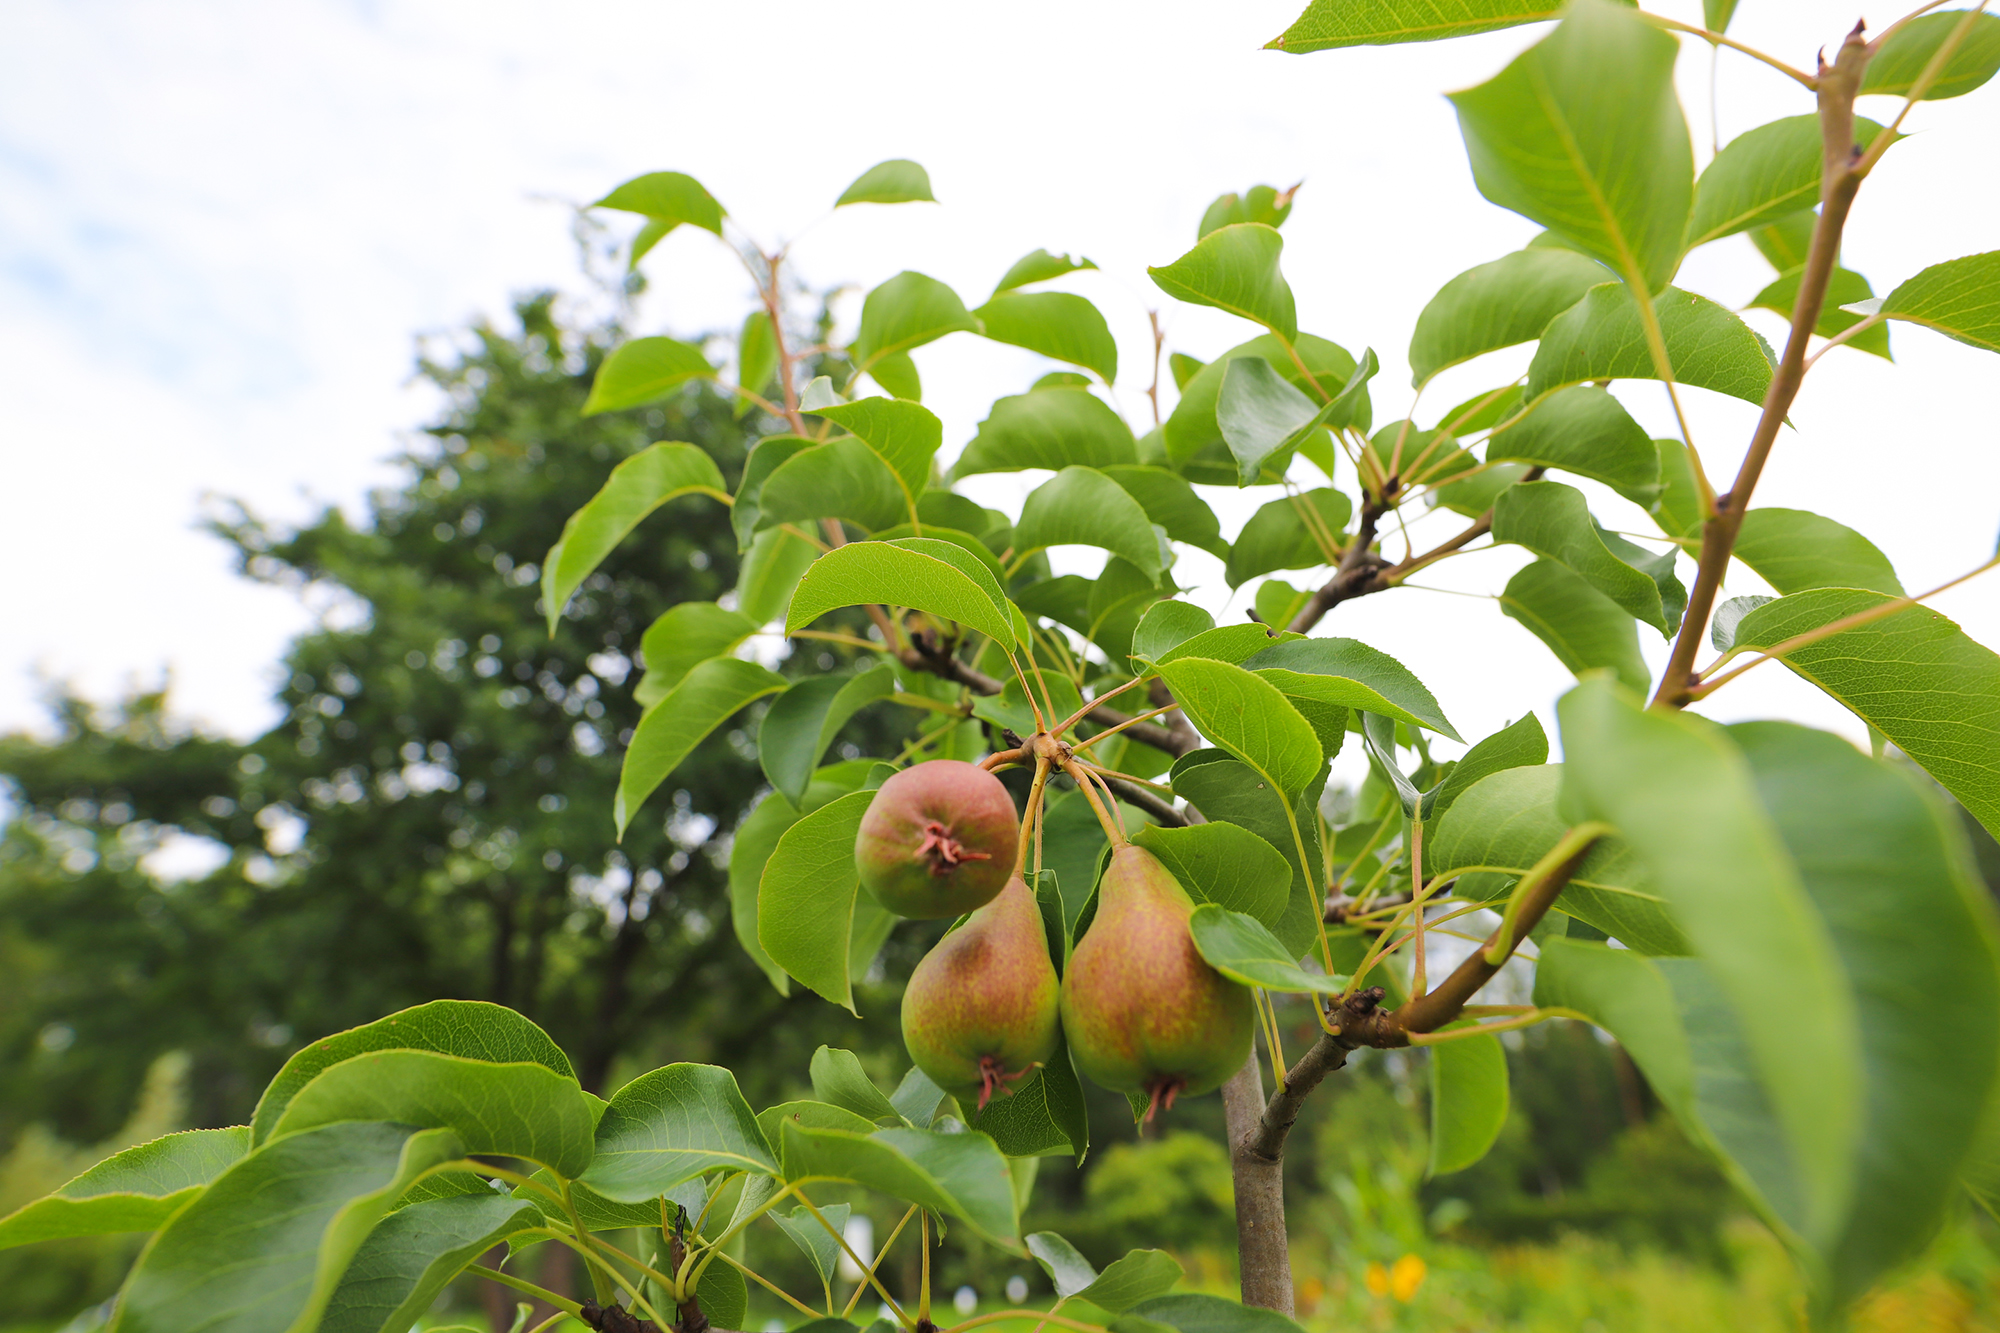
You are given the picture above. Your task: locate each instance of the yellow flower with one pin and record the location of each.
(1404, 1278)
(1377, 1279)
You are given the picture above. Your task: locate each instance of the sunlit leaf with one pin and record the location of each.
(1500, 304)
(1586, 630)
(1844, 288)
(1327, 24)
(913, 573)
(807, 900)
(906, 312)
(670, 197)
(1050, 428)
(897, 181)
(635, 488)
(962, 1175)
(265, 1245)
(1279, 536)
(1794, 550)
(671, 1125)
(1554, 521)
(1235, 268)
(1220, 863)
(1243, 949)
(1172, 503)
(1260, 414)
(1583, 430)
(1224, 789)
(1192, 427)
(771, 569)
(643, 371)
(903, 435)
(1039, 266)
(1249, 718)
(1913, 675)
(1056, 324)
(1960, 298)
(1602, 338)
(1583, 133)
(842, 479)
(685, 636)
(1895, 69)
(1766, 174)
(667, 733)
(1081, 506)
(1357, 675)
(134, 1190)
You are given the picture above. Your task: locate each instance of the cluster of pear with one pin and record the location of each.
(1144, 1013)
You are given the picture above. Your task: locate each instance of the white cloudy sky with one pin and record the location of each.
(222, 225)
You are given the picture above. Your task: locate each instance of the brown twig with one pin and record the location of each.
(1839, 181)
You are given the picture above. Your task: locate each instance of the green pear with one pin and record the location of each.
(980, 1010)
(1144, 1013)
(938, 840)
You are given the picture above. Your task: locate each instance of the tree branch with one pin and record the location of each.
(1361, 1021)
(1839, 180)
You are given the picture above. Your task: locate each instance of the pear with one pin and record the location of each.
(938, 841)
(980, 1010)
(1143, 1012)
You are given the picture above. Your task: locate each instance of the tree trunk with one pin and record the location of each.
(1262, 1244)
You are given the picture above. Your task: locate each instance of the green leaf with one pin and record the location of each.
(636, 487)
(265, 1246)
(1235, 268)
(1769, 173)
(1583, 430)
(1786, 243)
(1501, 825)
(1678, 510)
(1080, 506)
(756, 355)
(1223, 864)
(1010, 707)
(669, 197)
(1583, 133)
(706, 697)
(821, 1246)
(897, 181)
(134, 1190)
(1134, 1277)
(906, 312)
(1191, 1312)
(1521, 744)
(1278, 603)
(1049, 428)
(1468, 1100)
(1248, 717)
(1844, 288)
(771, 1121)
(671, 1125)
(843, 478)
(1166, 625)
(961, 1174)
(682, 639)
(1794, 550)
(905, 436)
(643, 371)
(839, 1080)
(1352, 673)
(1260, 203)
(413, 1253)
(897, 373)
(807, 900)
(1192, 427)
(1960, 298)
(1039, 266)
(1738, 896)
(1277, 536)
(1586, 630)
(1056, 324)
(1045, 1115)
(1243, 949)
(746, 514)
(1260, 414)
(1225, 790)
(1895, 69)
(1627, 995)
(1476, 494)
(1554, 520)
(1885, 866)
(1234, 644)
(471, 1029)
(1500, 304)
(1328, 24)
(754, 841)
(1601, 338)
(803, 721)
(1715, 14)
(516, 1110)
(1170, 502)
(921, 574)
(770, 572)
(1913, 675)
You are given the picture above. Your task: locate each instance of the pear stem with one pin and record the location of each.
(1031, 815)
(1083, 784)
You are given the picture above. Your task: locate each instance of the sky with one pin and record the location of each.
(224, 227)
